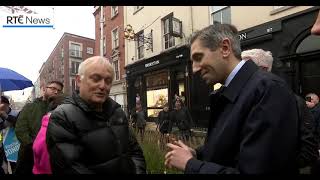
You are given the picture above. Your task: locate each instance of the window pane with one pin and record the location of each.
(217, 16)
(226, 16)
(217, 8)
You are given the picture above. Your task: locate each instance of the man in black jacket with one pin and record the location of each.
(89, 132)
(253, 126)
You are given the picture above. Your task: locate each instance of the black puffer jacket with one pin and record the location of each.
(81, 140)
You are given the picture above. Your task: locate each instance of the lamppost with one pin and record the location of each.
(130, 35)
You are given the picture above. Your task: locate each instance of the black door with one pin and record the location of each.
(310, 74)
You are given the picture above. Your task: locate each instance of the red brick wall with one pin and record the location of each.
(110, 24)
(49, 74)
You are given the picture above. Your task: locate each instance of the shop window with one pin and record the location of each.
(156, 99)
(157, 92)
(168, 39)
(221, 14)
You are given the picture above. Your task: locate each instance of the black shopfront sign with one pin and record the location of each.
(260, 31)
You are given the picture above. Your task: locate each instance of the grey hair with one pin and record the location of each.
(259, 56)
(213, 35)
(95, 59)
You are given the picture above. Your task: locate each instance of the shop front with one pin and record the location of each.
(154, 82)
(295, 51)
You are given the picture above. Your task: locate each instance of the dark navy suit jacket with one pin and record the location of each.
(253, 127)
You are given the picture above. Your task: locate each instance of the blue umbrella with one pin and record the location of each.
(11, 80)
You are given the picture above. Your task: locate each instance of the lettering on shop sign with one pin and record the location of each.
(152, 63)
(242, 36)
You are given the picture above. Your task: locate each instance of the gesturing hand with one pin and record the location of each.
(179, 155)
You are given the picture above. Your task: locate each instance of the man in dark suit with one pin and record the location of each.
(253, 126)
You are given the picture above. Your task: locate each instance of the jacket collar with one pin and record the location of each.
(234, 88)
(108, 106)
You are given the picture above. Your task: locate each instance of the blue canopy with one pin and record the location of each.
(11, 80)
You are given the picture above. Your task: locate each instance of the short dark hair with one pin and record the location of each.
(56, 82)
(5, 100)
(212, 36)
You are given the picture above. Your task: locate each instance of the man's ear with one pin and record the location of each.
(226, 47)
(78, 80)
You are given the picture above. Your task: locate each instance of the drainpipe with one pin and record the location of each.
(101, 30)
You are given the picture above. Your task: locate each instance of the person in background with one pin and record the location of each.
(246, 127)
(182, 118)
(89, 132)
(29, 123)
(8, 118)
(164, 123)
(140, 121)
(40, 150)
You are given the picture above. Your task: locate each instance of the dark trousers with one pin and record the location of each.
(25, 160)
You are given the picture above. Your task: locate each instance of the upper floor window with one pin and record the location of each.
(136, 9)
(104, 45)
(114, 11)
(74, 67)
(221, 14)
(75, 50)
(115, 38)
(73, 84)
(115, 63)
(140, 44)
(89, 50)
(168, 39)
(62, 52)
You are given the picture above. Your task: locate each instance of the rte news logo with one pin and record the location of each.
(27, 21)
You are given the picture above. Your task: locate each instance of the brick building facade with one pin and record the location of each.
(64, 60)
(113, 47)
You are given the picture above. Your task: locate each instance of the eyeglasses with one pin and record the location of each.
(55, 89)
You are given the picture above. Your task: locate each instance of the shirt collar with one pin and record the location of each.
(234, 72)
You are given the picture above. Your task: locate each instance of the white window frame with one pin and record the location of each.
(76, 47)
(278, 7)
(89, 50)
(76, 63)
(218, 9)
(136, 9)
(115, 38)
(114, 11)
(104, 45)
(166, 33)
(73, 85)
(116, 69)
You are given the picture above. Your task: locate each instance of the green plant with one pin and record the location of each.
(154, 153)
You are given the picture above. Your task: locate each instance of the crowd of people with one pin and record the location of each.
(257, 123)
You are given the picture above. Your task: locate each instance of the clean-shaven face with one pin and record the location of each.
(208, 63)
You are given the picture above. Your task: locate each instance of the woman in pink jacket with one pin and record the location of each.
(40, 152)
